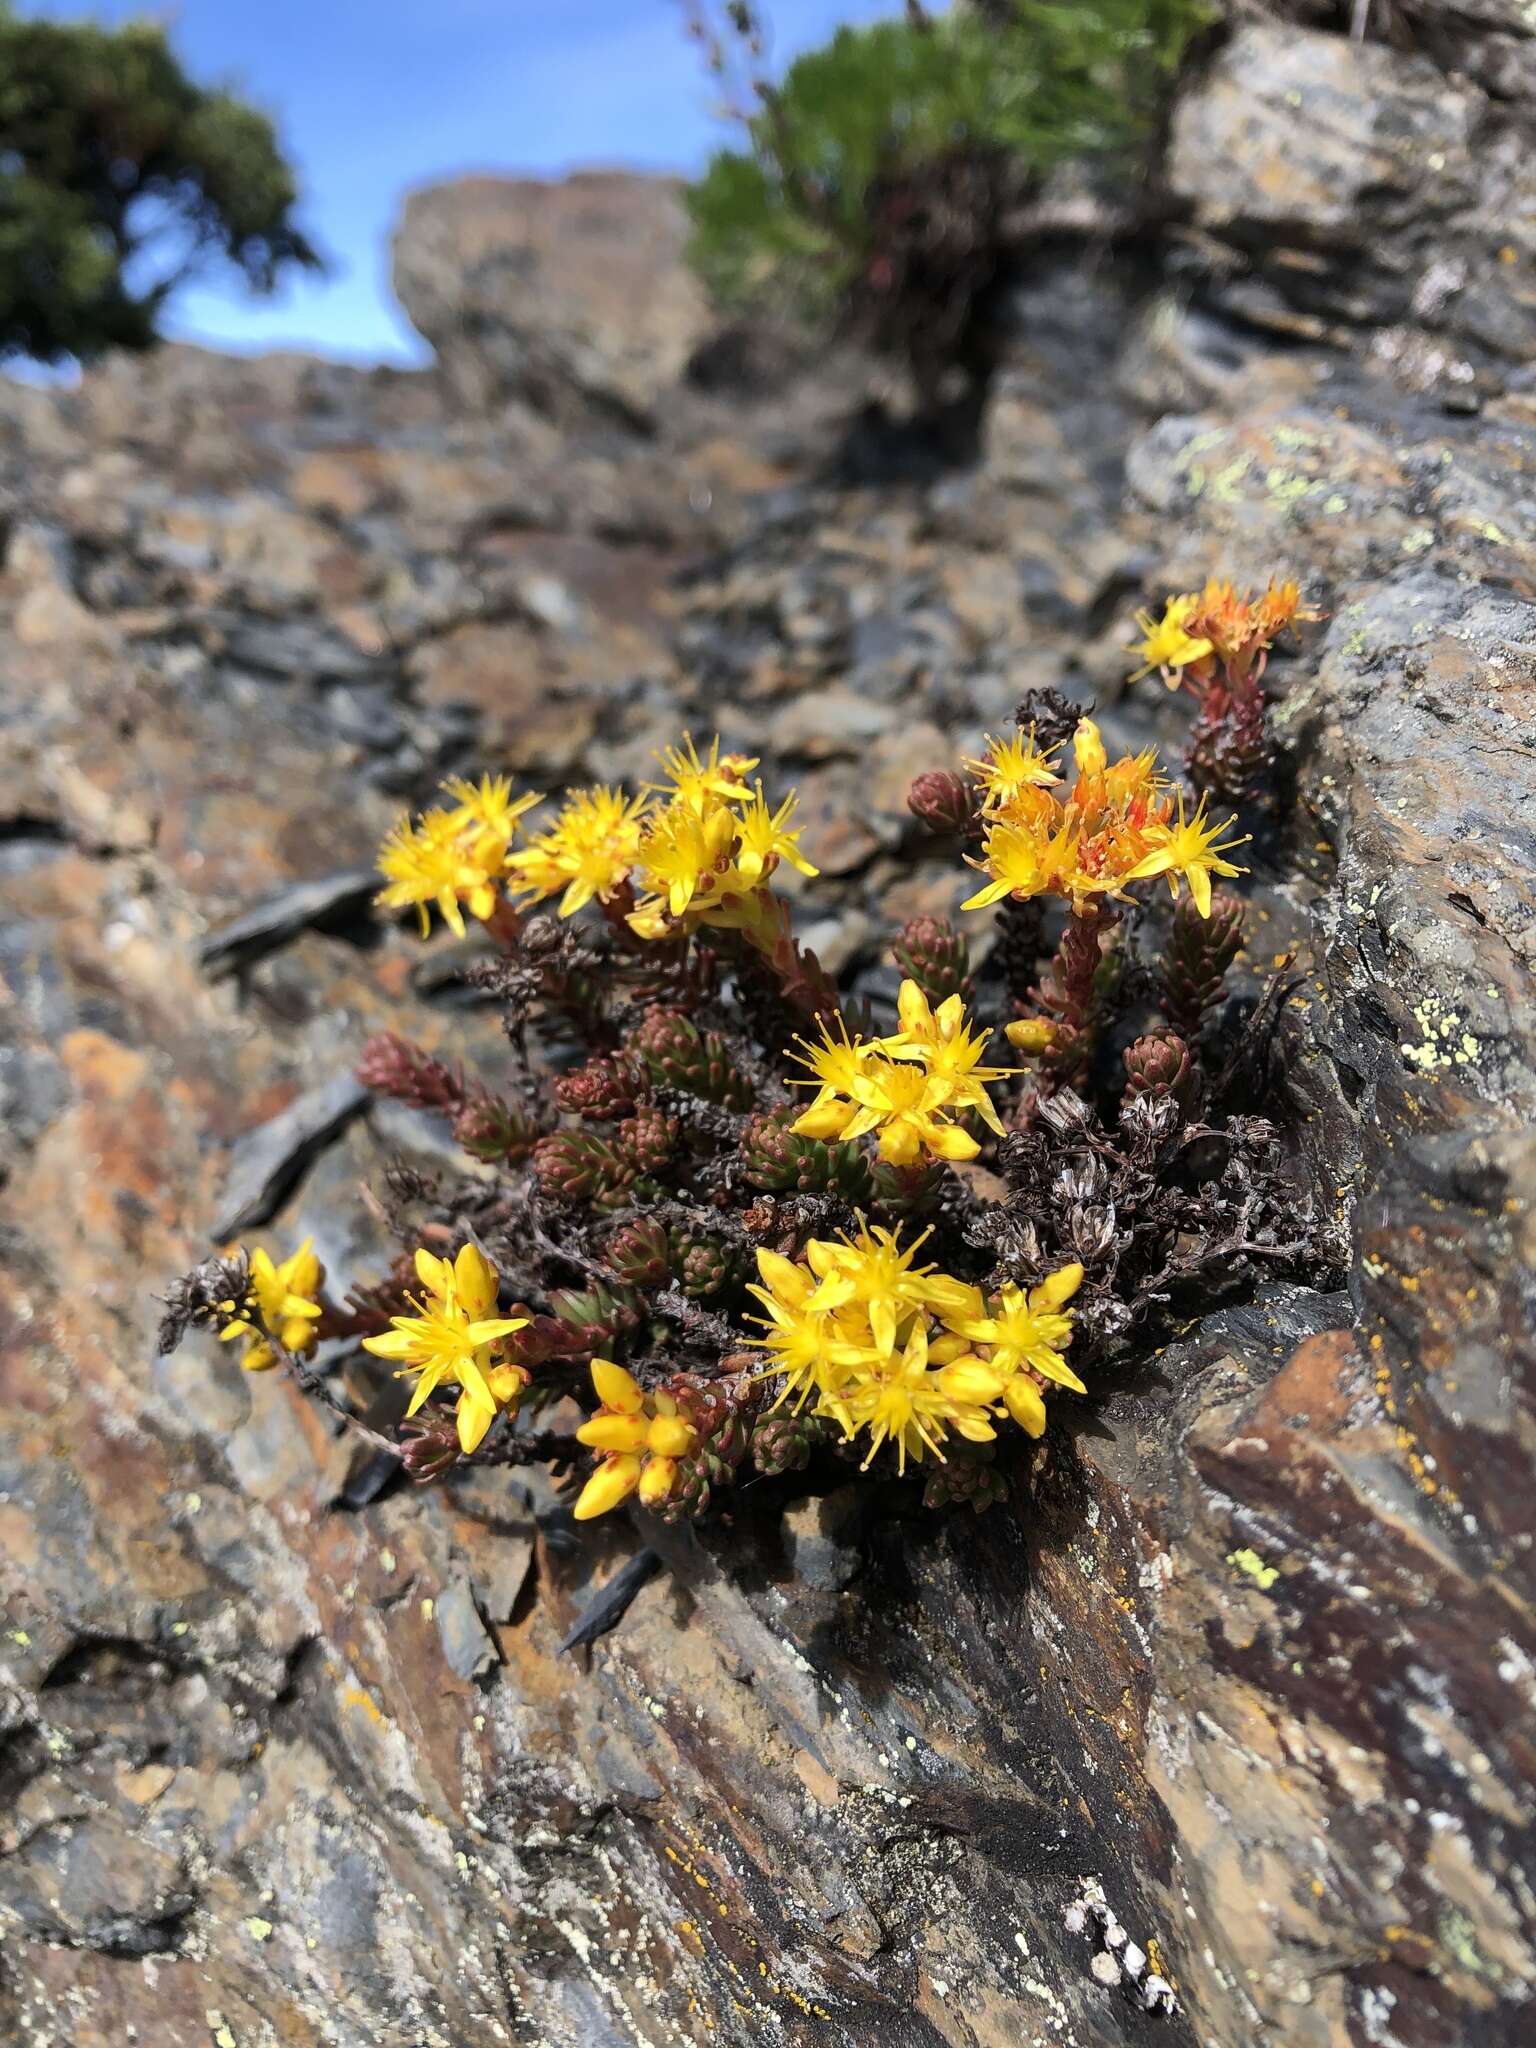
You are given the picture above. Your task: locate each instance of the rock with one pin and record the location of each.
(1419, 684)
(1362, 187)
(503, 672)
(467, 1644)
(279, 917)
(266, 1161)
(90, 1884)
(612, 1602)
(822, 1538)
(1242, 1670)
(571, 297)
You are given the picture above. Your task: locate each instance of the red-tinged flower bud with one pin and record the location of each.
(489, 1128)
(600, 1092)
(784, 1442)
(429, 1445)
(600, 1321)
(1158, 1065)
(721, 1412)
(778, 1158)
(646, 1140)
(639, 1253)
(967, 1478)
(705, 1266)
(676, 1054)
(934, 954)
(1199, 952)
(392, 1066)
(581, 1166)
(943, 801)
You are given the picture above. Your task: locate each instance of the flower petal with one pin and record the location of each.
(614, 1433)
(610, 1485)
(616, 1388)
(474, 1280)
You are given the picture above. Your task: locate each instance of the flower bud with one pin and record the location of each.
(1030, 1034)
(1158, 1065)
(943, 801)
(931, 952)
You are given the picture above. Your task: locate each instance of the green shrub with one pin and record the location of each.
(861, 135)
(119, 180)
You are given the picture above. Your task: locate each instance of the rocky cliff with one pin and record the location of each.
(1240, 1686)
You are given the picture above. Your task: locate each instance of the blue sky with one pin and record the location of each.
(374, 96)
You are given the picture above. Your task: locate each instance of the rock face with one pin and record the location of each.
(1356, 185)
(572, 297)
(1237, 1690)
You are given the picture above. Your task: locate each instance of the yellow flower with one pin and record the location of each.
(453, 857)
(810, 1348)
(836, 1064)
(1030, 1034)
(1082, 846)
(906, 1353)
(1216, 620)
(1025, 1335)
(640, 1438)
(436, 861)
(1279, 607)
(708, 864)
(871, 1273)
(903, 1400)
(900, 1101)
(1023, 862)
(283, 1301)
(488, 810)
(588, 851)
(1009, 767)
(455, 1339)
(1193, 848)
(704, 785)
(685, 851)
(942, 1039)
(1166, 644)
(1088, 748)
(762, 841)
(906, 1087)
(1132, 779)
(909, 1109)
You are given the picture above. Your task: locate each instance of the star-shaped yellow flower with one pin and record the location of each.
(286, 1307)
(1193, 848)
(1166, 644)
(454, 1339)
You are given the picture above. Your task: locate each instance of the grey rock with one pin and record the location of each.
(467, 1643)
(265, 1162)
(85, 1882)
(822, 1536)
(1357, 185)
(298, 648)
(570, 296)
(269, 923)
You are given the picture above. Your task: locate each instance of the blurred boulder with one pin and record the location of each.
(572, 297)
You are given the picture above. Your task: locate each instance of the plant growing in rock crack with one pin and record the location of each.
(719, 1224)
(888, 175)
